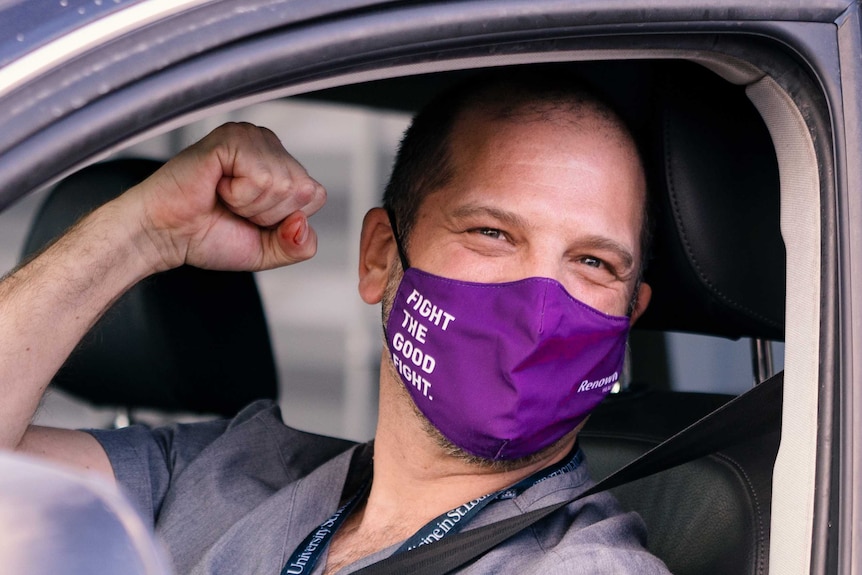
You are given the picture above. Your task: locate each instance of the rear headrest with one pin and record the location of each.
(719, 260)
(185, 340)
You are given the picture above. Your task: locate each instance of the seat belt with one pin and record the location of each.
(750, 415)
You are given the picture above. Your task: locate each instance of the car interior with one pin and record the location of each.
(735, 182)
(715, 192)
(161, 339)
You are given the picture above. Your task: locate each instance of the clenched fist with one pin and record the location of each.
(235, 200)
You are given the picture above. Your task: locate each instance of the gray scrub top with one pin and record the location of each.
(238, 496)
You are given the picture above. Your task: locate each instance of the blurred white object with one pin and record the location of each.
(54, 520)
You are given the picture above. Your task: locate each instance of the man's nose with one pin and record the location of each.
(544, 265)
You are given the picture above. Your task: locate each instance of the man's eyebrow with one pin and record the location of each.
(504, 216)
(627, 259)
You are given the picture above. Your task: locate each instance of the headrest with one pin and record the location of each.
(719, 260)
(185, 340)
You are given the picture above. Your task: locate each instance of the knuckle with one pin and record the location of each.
(269, 134)
(235, 131)
(265, 179)
(227, 128)
(304, 194)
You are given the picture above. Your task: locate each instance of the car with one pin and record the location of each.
(747, 113)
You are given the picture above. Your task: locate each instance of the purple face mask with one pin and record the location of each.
(502, 370)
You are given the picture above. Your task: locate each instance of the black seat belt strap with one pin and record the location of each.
(749, 415)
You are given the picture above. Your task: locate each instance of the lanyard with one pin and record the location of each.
(304, 558)
(453, 521)
(308, 552)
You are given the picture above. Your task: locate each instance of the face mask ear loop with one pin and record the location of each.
(404, 265)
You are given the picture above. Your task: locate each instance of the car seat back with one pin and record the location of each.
(710, 516)
(186, 340)
(718, 263)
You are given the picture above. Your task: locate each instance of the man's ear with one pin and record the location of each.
(641, 303)
(377, 252)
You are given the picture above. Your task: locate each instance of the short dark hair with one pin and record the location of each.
(423, 162)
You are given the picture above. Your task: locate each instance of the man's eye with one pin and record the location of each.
(492, 233)
(592, 262)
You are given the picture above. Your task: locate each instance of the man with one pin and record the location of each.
(509, 198)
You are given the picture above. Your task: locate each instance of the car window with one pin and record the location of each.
(714, 364)
(326, 340)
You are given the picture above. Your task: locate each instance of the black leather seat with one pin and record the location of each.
(718, 269)
(709, 516)
(187, 340)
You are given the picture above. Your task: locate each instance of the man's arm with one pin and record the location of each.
(236, 200)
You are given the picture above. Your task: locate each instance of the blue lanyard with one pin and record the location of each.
(307, 554)
(453, 521)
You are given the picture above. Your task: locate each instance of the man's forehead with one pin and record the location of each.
(487, 126)
(497, 125)
(575, 116)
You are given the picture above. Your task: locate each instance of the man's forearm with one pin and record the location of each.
(236, 200)
(48, 305)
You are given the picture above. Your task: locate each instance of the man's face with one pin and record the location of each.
(561, 199)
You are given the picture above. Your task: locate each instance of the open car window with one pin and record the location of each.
(325, 340)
